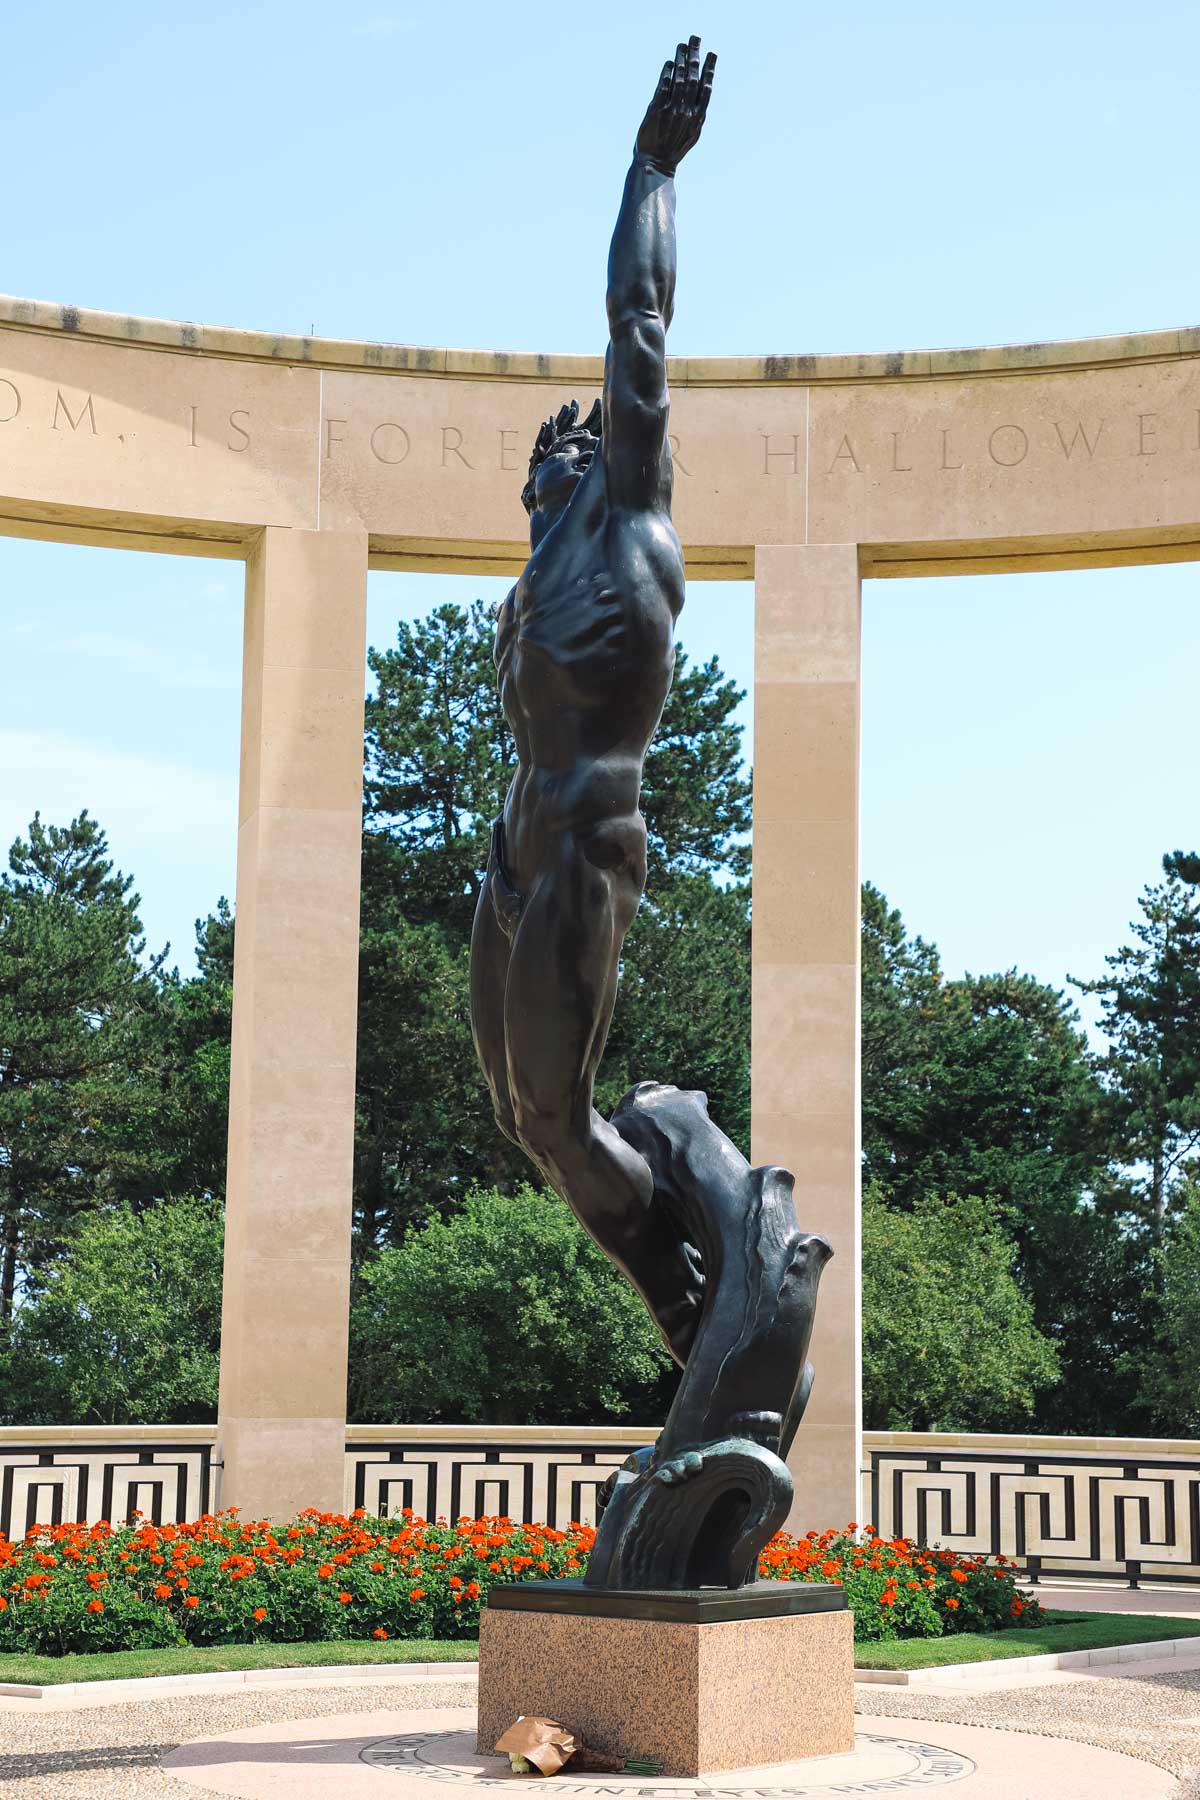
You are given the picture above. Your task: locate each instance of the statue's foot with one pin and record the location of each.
(680, 1468)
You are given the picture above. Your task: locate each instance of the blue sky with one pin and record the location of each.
(870, 179)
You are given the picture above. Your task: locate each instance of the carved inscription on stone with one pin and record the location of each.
(451, 447)
(74, 413)
(850, 451)
(1008, 443)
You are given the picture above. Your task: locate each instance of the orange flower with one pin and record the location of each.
(952, 1604)
(1018, 1607)
(957, 1575)
(325, 1571)
(472, 1590)
(345, 1598)
(419, 1593)
(96, 1606)
(379, 1633)
(191, 1602)
(259, 1613)
(162, 1591)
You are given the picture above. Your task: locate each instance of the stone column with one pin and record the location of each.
(284, 1327)
(805, 1032)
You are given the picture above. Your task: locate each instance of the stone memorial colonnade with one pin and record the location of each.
(312, 460)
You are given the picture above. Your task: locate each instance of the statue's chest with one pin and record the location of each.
(573, 617)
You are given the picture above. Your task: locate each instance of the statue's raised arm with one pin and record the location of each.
(641, 286)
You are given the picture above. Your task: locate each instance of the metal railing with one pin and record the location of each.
(1102, 1508)
(1110, 1510)
(54, 1474)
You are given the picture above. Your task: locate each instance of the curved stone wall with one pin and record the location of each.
(1049, 453)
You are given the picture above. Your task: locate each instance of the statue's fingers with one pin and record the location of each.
(706, 81)
(693, 71)
(679, 72)
(662, 92)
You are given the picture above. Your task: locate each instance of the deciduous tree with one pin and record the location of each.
(505, 1313)
(949, 1339)
(125, 1326)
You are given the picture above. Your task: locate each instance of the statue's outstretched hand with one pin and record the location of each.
(675, 116)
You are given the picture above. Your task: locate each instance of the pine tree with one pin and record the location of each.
(1150, 1003)
(74, 994)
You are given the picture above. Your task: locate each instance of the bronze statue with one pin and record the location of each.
(585, 654)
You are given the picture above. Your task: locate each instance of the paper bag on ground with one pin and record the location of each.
(543, 1742)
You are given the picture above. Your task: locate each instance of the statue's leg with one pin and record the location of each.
(490, 950)
(562, 978)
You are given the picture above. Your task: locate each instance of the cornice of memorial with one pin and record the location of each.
(225, 342)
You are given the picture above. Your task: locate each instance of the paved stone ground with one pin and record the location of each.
(1154, 1718)
(113, 1752)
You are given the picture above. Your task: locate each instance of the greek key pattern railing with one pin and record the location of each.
(40, 1484)
(1128, 1510)
(554, 1482)
(1127, 1516)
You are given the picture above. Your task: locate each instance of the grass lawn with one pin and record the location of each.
(122, 1665)
(1062, 1631)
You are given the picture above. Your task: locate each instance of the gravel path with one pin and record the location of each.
(113, 1752)
(1154, 1718)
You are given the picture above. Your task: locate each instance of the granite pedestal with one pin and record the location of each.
(697, 1682)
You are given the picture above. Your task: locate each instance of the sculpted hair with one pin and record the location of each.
(560, 428)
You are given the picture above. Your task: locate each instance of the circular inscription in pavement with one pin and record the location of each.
(876, 1765)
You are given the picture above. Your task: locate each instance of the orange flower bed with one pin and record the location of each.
(217, 1580)
(897, 1588)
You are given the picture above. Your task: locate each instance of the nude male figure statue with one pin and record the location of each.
(585, 653)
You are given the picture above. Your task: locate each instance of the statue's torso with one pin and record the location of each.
(584, 654)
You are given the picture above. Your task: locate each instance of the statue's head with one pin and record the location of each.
(562, 454)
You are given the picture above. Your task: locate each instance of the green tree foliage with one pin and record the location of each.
(979, 1086)
(74, 996)
(125, 1326)
(985, 1087)
(949, 1339)
(438, 760)
(183, 1071)
(424, 1130)
(1165, 1363)
(505, 1313)
(1150, 1002)
(113, 1071)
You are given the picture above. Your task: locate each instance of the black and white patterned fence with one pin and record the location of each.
(48, 1484)
(1125, 1510)
(553, 1481)
(1129, 1514)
